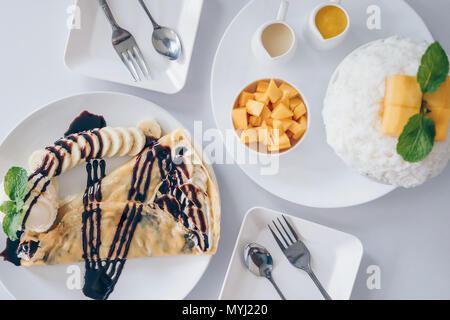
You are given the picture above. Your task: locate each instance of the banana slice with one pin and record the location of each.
(66, 159)
(105, 143)
(85, 147)
(37, 159)
(75, 151)
(95, 144)
(150, 128)
(139, 141)
(44, 211)
(127, 141)
(115, 141)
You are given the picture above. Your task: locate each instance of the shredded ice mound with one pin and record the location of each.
(352, 114)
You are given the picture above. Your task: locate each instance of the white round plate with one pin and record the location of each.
(146, 278)
(311, 174)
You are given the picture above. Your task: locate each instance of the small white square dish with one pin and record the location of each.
(335, 259)
(89, 50)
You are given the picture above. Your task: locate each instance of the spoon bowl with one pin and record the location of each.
(259, 261)
(166, 42)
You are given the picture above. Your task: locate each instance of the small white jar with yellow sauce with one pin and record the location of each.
(328, 25)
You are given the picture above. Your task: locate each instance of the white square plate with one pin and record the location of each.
(335, 261)
(89, 50)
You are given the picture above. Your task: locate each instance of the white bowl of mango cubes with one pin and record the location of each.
(270, 117)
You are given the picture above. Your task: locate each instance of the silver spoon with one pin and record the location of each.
(165, 40)
(260, 262)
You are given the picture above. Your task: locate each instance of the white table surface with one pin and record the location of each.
(405, 233)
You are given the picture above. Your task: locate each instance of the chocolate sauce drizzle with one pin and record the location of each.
(66, 144)
(102, 275)
(11, 250)
(174, 195)
(84, 122)
(15, 250)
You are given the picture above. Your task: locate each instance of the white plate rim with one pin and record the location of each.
(210, 169)
(273, 211)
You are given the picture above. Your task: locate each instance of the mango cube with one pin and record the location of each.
(395, 117)
(281, 112)
(254, 107)
(280, 141)
(239, 116)
(269, 122)
(439, 99)
(299, 111)
(277, 124)
(303, 122)
(244, 97)
(288, 90)
(261, 97)
(264, 135)
(282, 100)
(298, 129)
(403, 91)
(266, 113)
(440, 116)
(287, 123)
(273, 92)
(262, 86)
(439, 104)
(249, 136)
(282, 125)
(255, 121)
(294, 102)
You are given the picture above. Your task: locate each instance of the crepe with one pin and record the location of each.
(162, 202)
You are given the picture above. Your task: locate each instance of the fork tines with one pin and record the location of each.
(126, 46)
(295, 250)
(132, 58)
(285, 235)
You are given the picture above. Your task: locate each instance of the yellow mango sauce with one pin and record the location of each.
(331, 21)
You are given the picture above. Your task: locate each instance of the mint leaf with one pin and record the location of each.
(15, 183)
(434, 68)
(8, 207)
(417, 138)
(11, 223)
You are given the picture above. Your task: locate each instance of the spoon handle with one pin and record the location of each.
(155, 25)
(276, 287)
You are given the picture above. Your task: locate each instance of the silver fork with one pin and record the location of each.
(296, 251)
(125, 46)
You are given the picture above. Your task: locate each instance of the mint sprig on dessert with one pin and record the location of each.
(15, 185)
(417, 138)
(433, 69)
